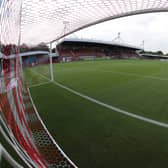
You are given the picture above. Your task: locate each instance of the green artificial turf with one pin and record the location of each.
(96, 137)
(140, 87)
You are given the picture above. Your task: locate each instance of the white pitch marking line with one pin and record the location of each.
(44, 77)
(142, 118)
(124, 73)
(137, 75)
(40, 84)
(112, 107)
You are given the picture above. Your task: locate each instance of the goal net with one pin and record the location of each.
(36, 67)
(22, 131)
(33, 22)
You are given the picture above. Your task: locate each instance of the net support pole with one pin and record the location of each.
(51, 63)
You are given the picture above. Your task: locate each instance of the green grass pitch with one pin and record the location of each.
(94, 136)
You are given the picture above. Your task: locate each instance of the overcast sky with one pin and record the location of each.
(152, 28)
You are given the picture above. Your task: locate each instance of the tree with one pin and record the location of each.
(159, 53)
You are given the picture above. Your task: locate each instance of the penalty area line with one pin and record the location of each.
(40, 84)
(118, 110)
(145, 119)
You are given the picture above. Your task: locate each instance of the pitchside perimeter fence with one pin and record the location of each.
(33, 22)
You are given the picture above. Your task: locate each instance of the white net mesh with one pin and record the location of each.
(48, 18)
(20, 123)
(35, 21)
(36, 69)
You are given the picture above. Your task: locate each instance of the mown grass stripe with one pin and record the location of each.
(142, 118)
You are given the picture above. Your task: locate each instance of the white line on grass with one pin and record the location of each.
(44, 77)
(40, 84)
(137, 75)
(126, 73)
(145, 119)
(121, 73)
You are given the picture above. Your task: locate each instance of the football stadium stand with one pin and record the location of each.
(73, 49)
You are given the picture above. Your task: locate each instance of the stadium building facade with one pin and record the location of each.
(74, 49)
(154, 56)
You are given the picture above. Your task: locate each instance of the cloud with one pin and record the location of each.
(152, 28)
